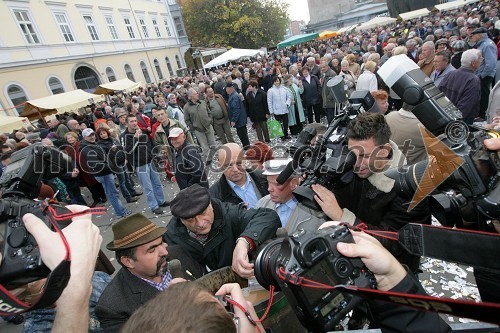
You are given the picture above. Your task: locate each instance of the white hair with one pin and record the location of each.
(469, 56)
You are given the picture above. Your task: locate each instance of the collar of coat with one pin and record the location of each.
(379, 179)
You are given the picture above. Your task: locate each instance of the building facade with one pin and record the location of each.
(49, 47)
(334, 15)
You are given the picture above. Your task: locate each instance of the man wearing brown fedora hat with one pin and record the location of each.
(218, 234)
(143, 256)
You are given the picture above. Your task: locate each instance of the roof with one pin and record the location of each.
(120, 85)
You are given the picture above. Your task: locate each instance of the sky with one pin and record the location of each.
(298, 10)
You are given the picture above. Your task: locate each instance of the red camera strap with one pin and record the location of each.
(467, 247)
(488, 312)
(58, 278)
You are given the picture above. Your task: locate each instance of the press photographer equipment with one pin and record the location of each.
(320, 283)
(471, 193)
(313, 256)
(328, 161)
(21, 259)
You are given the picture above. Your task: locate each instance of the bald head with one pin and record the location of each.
(231, 162)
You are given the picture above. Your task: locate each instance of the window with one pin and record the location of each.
(62, 22)
(179, 27)
(144, 28)
(178, 61)
(129, 73)
(17, 97)
(158, 69)
(169, 67)
(26, 26)
(145, 72)
(91, 27)
(55, 86)
(165, 21)
(155, 24)
(86, 78)
(111, 26)
(130, 28)
(110, 73)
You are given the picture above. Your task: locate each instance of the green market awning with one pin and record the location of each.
(294, 40)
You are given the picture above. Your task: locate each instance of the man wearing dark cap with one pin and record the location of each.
(487, 70)
(217, 234)
(143, 256)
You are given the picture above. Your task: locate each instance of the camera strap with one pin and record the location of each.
(467, 247)
(481, 311)
(58, 278)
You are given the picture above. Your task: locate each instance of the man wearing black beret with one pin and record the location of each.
(217, 234)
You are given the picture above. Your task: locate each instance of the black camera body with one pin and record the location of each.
(314, 256)
(21, 178)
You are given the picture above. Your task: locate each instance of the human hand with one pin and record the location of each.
(233, 124)
(327, 201)
(492, 144)
(138, 133)
(241, 265)
(234, 290)
(387, 270)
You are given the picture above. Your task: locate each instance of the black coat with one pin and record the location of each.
(116, 156)
(138, 150)
(257, 106)
(94, 159)
(382, 210)
(189, 167)
(312, 91)
(222, 191)
(230, 222)
(126, 293)
(393, 318)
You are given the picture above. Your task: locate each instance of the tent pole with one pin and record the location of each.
(43, 119)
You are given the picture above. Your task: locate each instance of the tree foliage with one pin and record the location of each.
(235, 23)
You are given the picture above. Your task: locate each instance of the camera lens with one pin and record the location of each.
(407, 178)
(265, 264)
(343, 268)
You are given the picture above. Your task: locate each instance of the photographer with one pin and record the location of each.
(191, 301)
(368, 196)
(84, 242)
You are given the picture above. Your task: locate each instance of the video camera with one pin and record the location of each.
(328, 161)
(21, 179)
(463, 173)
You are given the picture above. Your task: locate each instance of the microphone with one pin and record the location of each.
(175, 268)
(286, 173)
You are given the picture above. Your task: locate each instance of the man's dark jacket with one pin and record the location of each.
(95, 159)
(222, 191)
(257, 106)
(189, 167)
(375, 202)
(126, 293)
(230, 222)
(312, 91)
(138, 149)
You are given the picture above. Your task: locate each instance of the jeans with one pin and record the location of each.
(150, 181)
(126, 185)
(243, 135)
(108, 182)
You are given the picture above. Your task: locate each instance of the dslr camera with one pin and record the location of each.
(305, 256)
(328, 161)
(465, 176)
(21, 182)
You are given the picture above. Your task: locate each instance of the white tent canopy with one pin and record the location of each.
(232, 55)
(348, 28)
(8, 124)
(413, 14)
(453, 4)
(60, 103)
(376, 22)
(120, 85)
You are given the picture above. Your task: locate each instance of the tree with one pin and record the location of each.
(235, 23)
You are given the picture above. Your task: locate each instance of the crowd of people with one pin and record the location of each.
(187, 127)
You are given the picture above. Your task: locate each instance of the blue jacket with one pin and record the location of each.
(237, 112)
(489, 52)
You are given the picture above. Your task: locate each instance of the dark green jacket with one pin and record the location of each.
(230, 222)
